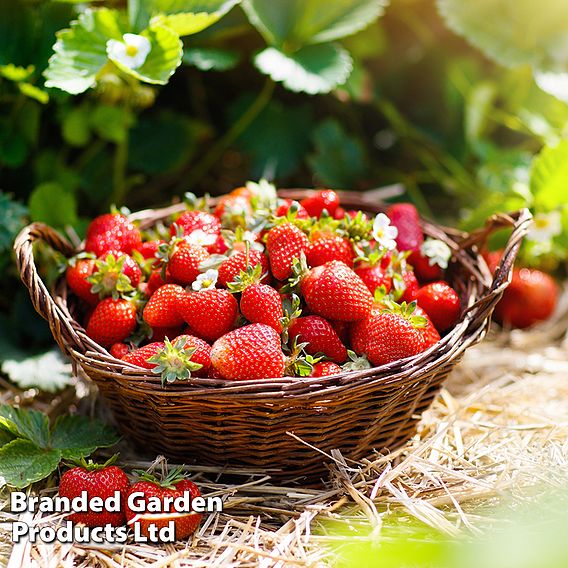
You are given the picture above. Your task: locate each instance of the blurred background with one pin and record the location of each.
(464, 104)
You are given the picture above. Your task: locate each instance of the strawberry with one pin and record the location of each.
(119, 350)
(530, 298)
(391, 334)
(442, 304)
(374, 276)
(201, 353)
(160, 333)
(196, 220)
(149, 249)
(249, 352)
(140, 356)
(291, 207)
(330, 247)
(320, 337)
(112, 321)
(424, 270)
(429, 331)
(98, 481)
(79, 270)
(431, 260)
(235, 204)
(325, 368)
(342, 330)
(325, 199)
(162, 309)
(210, 313)
(405, 218)
(173, 485)
(112, 232)
(284, 243)
(239, 262)
(411, 286)
(116, 273)
(184, 262)
(334, 291)
(156, 280)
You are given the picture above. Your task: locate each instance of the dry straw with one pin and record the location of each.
(274, 424)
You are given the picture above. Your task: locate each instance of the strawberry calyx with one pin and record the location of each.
(358, 228)
(194, 203)
(168, 480)
(298, 362)
(300, 270)
(245, 278)
(406, 311)
(90, 465)
(174, 362)
(109, 279)
(292, 310)
(356, 362)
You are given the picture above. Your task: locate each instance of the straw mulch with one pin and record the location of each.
(499, 429)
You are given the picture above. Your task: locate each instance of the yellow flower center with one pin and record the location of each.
(131, 50)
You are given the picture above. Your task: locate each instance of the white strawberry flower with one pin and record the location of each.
(545, 227)
(437, 252)
(206, 280)
(130, 52)
(201, 238)
(384, 233)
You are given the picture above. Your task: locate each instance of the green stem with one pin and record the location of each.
(217, 150)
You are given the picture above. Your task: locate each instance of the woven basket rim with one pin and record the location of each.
(484, 291)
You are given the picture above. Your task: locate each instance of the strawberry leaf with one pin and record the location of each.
(28, 424)
(22, 462)
(5, 437)
(77, 436)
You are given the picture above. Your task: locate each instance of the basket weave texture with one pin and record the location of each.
(270, 424)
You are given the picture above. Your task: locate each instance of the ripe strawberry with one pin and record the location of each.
(160, 333)
(172, 486)
(149, 249)
(390, 335)
(374, 276)
(239, 262)
(156, 280)
(261, 303)
(210, 313)
(335, 292)
(429, 331)
(330, 247)
(141, 355)
(283, 209)
(116, 273)
(425, 271)
(441, 302)
(320, 337)
(249, 352)
(162, 309)
(325, 368)
(76, 275)
(196, 220)
(530, 298)
(235, 204)
(112, 321)
(325, 199)
(184, 262)
(405, 218)
(112, 231)
(284, 243)
(119, 350)
(98, 481)
(342, 330)
(411, 286)
(201, 353)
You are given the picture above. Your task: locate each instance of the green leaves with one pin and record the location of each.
(31, 450)
(211, 58)
(313, 69)
(80, 51)
(303, 22)
(41, 205)
(513, 33)
(549, 177)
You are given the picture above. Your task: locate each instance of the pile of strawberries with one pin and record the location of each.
(264, 287)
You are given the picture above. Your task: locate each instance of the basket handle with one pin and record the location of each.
(42, 299)
(520, 221)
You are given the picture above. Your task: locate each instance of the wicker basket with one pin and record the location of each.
(248, 423)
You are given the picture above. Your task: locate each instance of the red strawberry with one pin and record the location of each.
(160, 333)
(239, 262)
(411, 286)
(183, 264)
(112, 321)
(282, 210)
(320, 336)
(234, 204)
(261, 303)
(172, 486)
(374, 276)
(335, 292)
(200, 355)
(162, 309)
(112, 231)
(76, 275)
(284, 243)
(98, 481)
(325, 199)
(156, 281)
(141, 355)
(249, 352)
(405, 218)
(119, 350)
(325, 368)
(210, 313)
(442, 304)
(342, 330)
(391, 335)
(196, 220)
(330, 247)
(530, 298)
(149, 249)
(425, 271)
(429, 331)
(116, 273)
